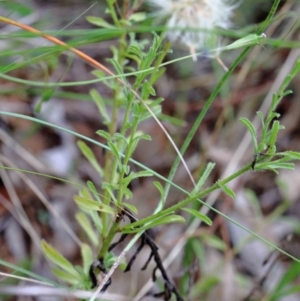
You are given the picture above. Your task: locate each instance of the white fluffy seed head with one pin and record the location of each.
(190, 22)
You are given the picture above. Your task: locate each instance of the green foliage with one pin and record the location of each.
(265, 155)
(227, 190)
(88, 153)
(198, 215)
(87, 257)
(138, 64)
(172, 218)
(203, 177)
(286, 285)
(101, 107)
(86, 225)
(92, 205)
(69, 272)
(100, 22)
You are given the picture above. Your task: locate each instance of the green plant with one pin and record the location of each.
(137, 67)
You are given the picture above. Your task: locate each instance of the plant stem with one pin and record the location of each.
(113, 13)
(111, 234)
(198, 121)
(109, 172)
(269, 17)
(189, 199)
(210, 101)
(110, 163)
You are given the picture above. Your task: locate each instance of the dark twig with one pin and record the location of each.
(169, 286)
(98, 264)
(136, 253)
(113, 245)
(147, 262)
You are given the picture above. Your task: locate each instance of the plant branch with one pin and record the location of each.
(189, 199)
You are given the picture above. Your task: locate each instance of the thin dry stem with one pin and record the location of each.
(44, 200)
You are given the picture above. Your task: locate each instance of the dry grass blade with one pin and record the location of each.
(44, 200)
(22, 152)
(23, 278)
(21, 214)
(37, 291)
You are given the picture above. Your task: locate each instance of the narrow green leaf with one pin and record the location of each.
(132, 147)
(99, 22)
(99, 73)
(85, 193)
(198, 215)
(293, 155)
(119, 70)
(96, 220)
(157, 222)
(160, 189)
(139, 135)
(118, 136)
(215, 242)
(59, 260)
(101, 105)
(226, 190)
(273, 136)
(88, 153)
(169, 219)
(262, 147)
(252, 131)
(206, 284)
(261, 118)
(92, 187)
(104, 134)
(136, 109)
(128, 125)
(147, 89)
(87, 257)
(115, 151)
(287, 92)
(130, 207)
(86, 225)
(203, 177)
(46, 95)
(128, 194)
(92, 205)
(290, 166)
(135, 50)
(65, 276)
(158, 74)
(143, 173)
(86, 202)
(274, 165)
(138, 17)
(111, 2)
(110, 188)
(249, 40)
(173, 120)
(282, 287)
(156, 110)
(272, 116)
(21, 10)
(126, 169)
(135, 175)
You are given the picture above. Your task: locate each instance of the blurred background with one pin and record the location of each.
(221, 262)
